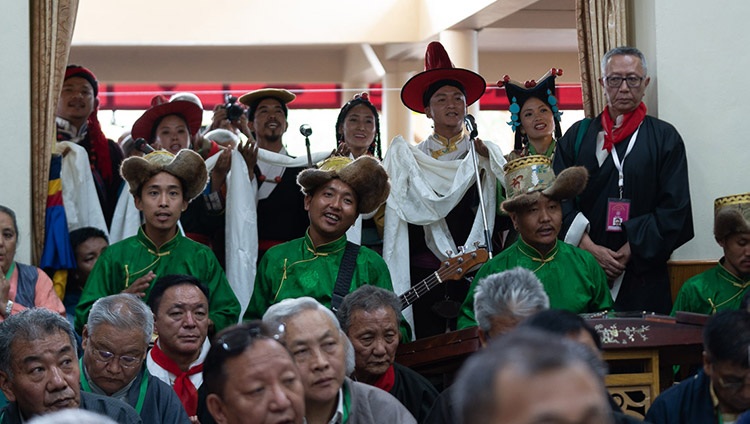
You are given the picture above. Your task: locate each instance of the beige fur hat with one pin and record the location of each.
(529, 177)
(731, 215)
(187, 166)
(364, 175)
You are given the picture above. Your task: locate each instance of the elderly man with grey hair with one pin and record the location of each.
(39, 371)
(115, 341)
(369, 316)
(501, 302)
(325, 357)
(633, 213)
(532, 376)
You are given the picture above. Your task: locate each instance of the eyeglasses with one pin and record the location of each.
(733, 385)
(616, 81)
(126, 361)
(242, 336)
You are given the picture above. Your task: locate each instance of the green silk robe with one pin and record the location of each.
(124, 262)
(709, 292)
(572, 278)
(297, 268)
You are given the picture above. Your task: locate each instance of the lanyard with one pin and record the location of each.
(619, 164)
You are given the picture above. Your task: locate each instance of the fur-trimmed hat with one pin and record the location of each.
(439, 71)
(187, 166)
(364, 175)
(731, 215)
(529, 177)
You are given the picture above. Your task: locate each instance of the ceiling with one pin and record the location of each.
(289, 40)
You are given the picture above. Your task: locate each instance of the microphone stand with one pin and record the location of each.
(309, 155)
(306, 131)
(473, 132)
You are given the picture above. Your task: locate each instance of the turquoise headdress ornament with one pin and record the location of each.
(518, 93)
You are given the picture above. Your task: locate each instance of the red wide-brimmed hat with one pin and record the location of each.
(160, 107)
(438, 67)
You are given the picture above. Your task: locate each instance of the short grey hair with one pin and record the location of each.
(529, 352)
(516, 293)
(123, 311)
(29, 325)
(366, 298)
(289, 308)
(624, 51)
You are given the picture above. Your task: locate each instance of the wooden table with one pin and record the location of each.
(641, 352)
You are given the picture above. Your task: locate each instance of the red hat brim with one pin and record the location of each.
(143, 127)
(414, 89)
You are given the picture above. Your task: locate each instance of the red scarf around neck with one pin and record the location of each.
(630, 121)
(184, 388)
(387, 380)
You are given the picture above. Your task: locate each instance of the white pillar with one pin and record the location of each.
(462, 48)
(396, 118)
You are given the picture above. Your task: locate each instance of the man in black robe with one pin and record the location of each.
(635, 210)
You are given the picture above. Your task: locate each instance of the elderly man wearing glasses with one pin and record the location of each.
(635, 210)
(115, 340)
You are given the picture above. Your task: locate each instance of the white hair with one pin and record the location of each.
(289, 308)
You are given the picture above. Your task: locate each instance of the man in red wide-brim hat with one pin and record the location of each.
(433, 188)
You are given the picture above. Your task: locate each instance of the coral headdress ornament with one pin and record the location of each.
(518, 93)
(731, 215)
(438, 72)
(529, 177)
(364, 175)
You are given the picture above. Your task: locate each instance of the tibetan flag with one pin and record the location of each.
(58, 255)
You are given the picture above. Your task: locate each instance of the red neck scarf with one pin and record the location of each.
(185, 389)
(386, 381)
(630, 121)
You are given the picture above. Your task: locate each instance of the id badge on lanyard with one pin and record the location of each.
(618, 209)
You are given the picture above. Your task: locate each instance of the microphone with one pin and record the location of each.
(471, 126)
(142, 146)
(305, 130)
